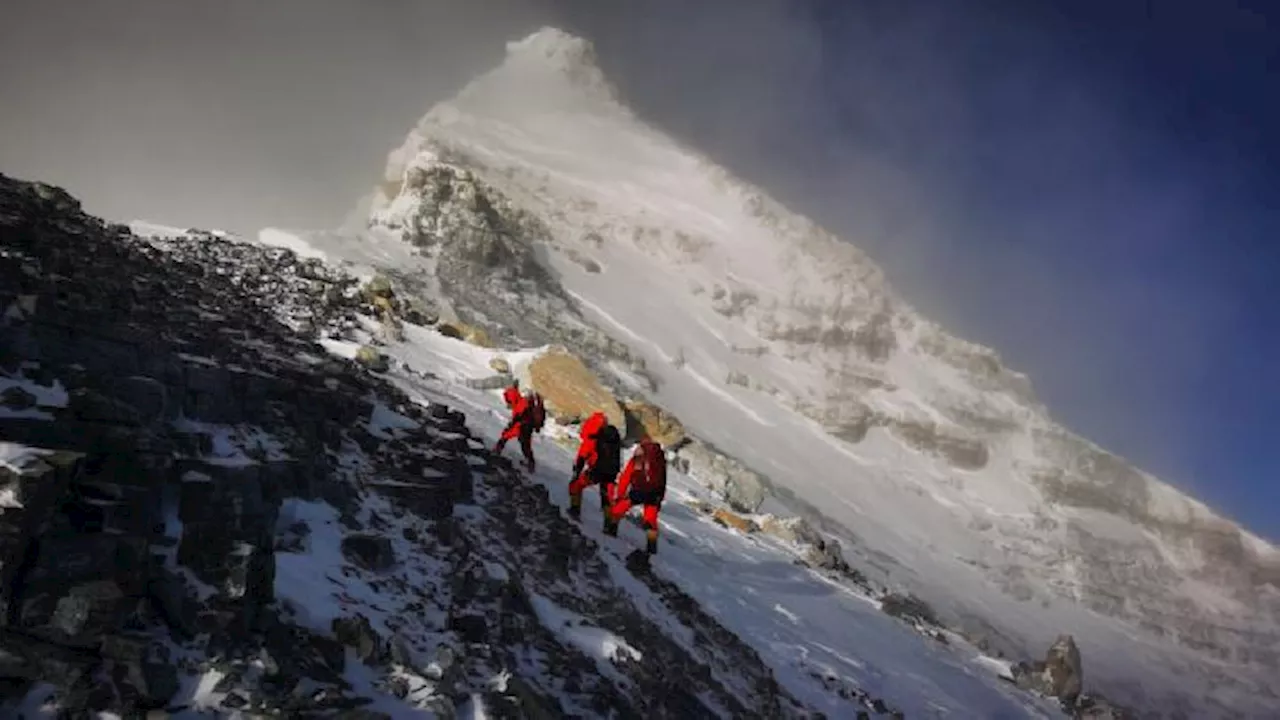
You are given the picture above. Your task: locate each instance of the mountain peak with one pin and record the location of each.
(554, 47)
(547, 67)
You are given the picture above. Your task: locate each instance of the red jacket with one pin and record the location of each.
(587, 448)
(510, 395)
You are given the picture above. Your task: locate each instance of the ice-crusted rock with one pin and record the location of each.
(1060, 675)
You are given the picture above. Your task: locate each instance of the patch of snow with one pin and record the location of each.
(384, 422)
(52, 396)
(233, 444)
(1002, 668)
(596, 642)
(275, 237)
(303, 579)
(365, 681)
(145, 228)
(37, 703)
(18, 458)
(341, 348)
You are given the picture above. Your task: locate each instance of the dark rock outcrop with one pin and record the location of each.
(1060, 675)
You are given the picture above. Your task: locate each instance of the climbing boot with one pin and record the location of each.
(575, 507)
(651, 538)
(610, 526)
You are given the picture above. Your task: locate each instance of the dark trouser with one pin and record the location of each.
(525, 434)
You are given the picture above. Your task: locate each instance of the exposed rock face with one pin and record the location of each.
(735, 521)
(794, 530)
(571, 391)
(743, 489)
(1060, 675)
(964, 453)
(661, 425)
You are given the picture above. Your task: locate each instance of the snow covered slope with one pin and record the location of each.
(536, 204)
(828, 644)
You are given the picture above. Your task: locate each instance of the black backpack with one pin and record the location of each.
(608, 454)
(537, 411)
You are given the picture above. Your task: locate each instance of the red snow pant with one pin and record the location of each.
(525, 434)
(582, 482)
(624, 504)
(651, 505)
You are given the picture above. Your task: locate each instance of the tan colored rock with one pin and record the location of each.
(660, 424)
(735, 521)
(500, 365)
(571, 391)
(462, 331)
(791, 529)
(369, 357)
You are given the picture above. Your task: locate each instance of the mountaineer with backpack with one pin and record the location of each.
(528, 414)
(643, 482)
(598, 461)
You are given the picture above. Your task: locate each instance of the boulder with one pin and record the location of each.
(492, 382)
(658, 423)
(571, 391)
(370, 357)
(378, 286)
(1060, 675)
(793, 530)
(908, 607)
(735, 521)
(745, 491)
(500, 365)
(825, 554)
(15, 397)
(417, 312)
(371, 552)
(357, 633)
(462, 331)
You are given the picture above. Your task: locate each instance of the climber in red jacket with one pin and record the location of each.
(597, 463)
(643, 482)
(527, 417)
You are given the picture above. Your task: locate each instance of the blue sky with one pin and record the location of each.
(1122, 158)
(1089, 187)
(1150, 236)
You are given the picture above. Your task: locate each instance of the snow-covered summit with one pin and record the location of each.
(537, 205)
(550, 45)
